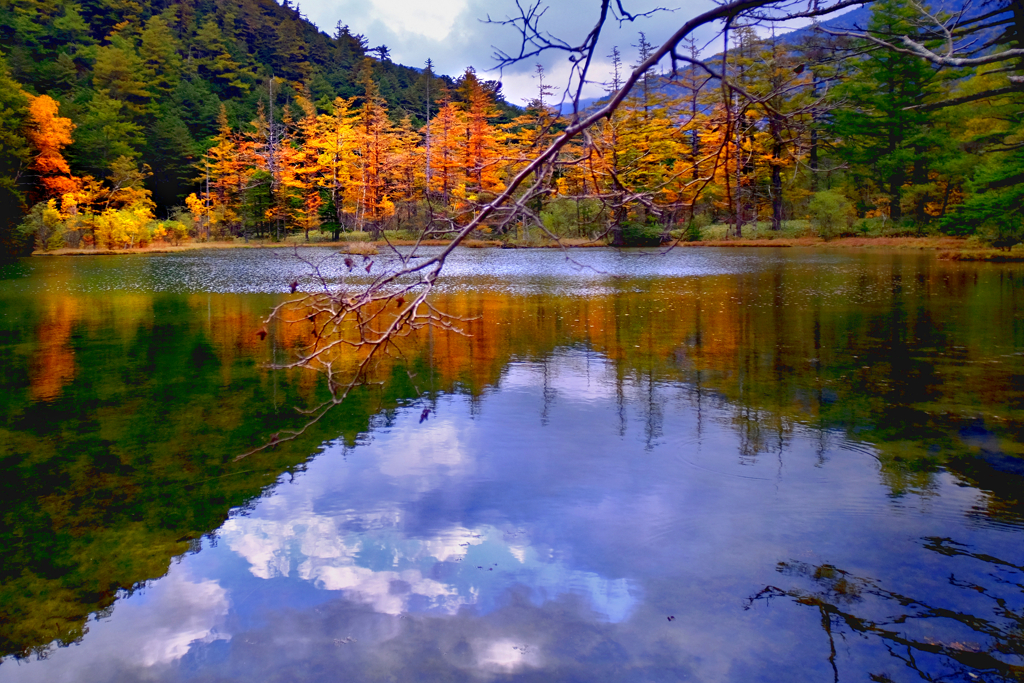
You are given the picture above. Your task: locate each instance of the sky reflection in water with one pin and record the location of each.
(567, 524)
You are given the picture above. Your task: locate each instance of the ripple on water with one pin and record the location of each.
(584, 272)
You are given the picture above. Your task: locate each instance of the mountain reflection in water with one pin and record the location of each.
(711, 466)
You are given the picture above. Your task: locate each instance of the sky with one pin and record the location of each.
(453, 34)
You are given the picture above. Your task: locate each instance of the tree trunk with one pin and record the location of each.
(776, 185)
(895, 193)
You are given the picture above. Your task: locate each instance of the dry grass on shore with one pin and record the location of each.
(990, 255)
(951, 248)
(929, 243)
(359, 248)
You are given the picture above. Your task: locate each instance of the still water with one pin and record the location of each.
(711, 465)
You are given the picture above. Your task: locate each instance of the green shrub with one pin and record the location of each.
(356, 236)
(573, 217)
(401, 234)
(831, 213)
(996, 217)
(636, 234)
(869, 226)
(692, 232)
(43, 227)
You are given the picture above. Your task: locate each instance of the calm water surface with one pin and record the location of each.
(715, 465)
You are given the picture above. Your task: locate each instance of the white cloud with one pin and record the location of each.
(153, 628)
(333, 560)
(506, 656)
(325, 556)
(387, 592)
(424, 458)
(454, 35)
(432, 20)
(187, 612)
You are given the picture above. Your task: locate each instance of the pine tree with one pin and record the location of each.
(216, 63)
(104, 133)
(885, 135)
(272, 152)
(161, 62)
(119, 74)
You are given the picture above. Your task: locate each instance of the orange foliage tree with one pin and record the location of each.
(49, 133)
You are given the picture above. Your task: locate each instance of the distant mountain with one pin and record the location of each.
(585, 104)
(858, 19)
(854, 20)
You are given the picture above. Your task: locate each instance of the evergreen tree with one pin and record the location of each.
(14, 156)
(885, 136)
(105, 132)
(161, 62)
(119, 74)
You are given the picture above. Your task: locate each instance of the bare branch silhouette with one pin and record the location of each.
(355, 322)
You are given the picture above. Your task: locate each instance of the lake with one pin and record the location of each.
(707, 465)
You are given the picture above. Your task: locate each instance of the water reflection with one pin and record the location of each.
(964, 634)
(590, 468)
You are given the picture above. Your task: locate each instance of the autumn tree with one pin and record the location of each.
(482, 139)
(528, 133)
(227, 167)
(333, 140)
(49, 133)
(447, 177)
(606, 162)
(306, 171)
(374, 146)
(650, 146)
(408, 172)
(785, 100)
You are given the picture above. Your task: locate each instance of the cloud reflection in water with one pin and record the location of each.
(539, 532)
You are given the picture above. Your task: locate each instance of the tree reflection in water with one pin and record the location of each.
(936, 643)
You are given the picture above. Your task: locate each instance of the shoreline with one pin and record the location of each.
(949, 248)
